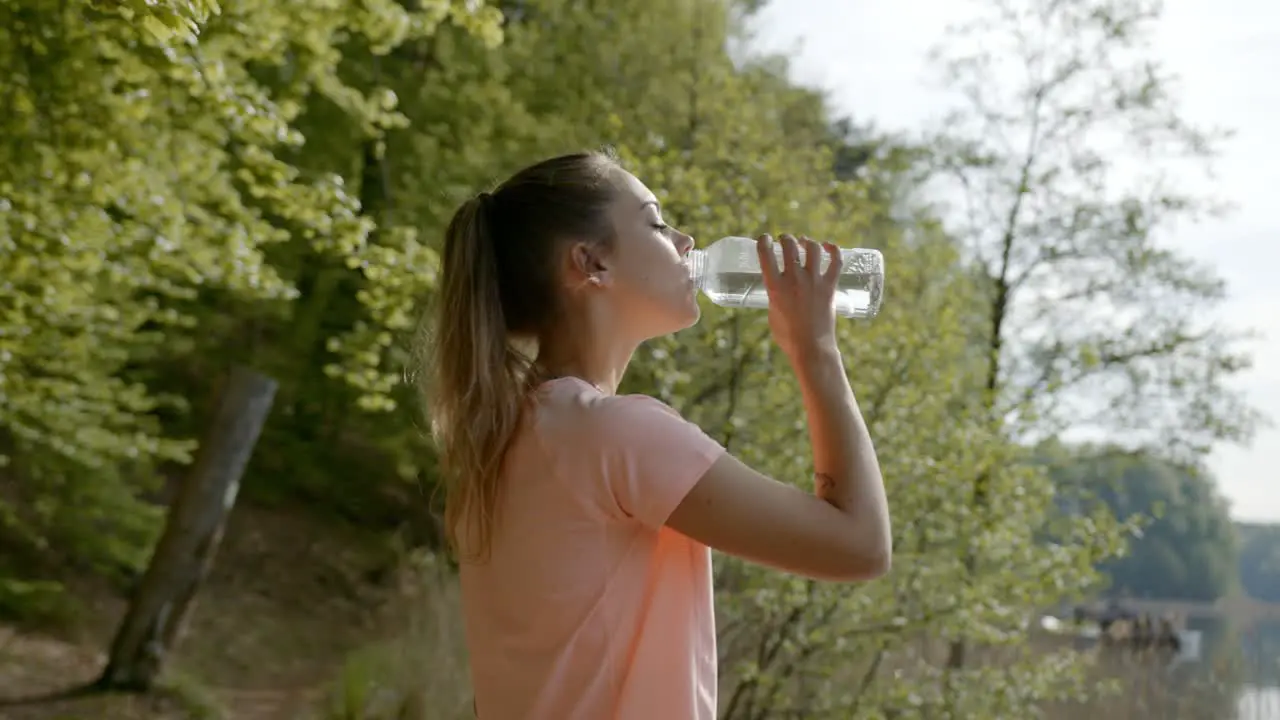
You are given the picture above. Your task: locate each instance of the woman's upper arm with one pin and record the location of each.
(660, 469)
(739, 511)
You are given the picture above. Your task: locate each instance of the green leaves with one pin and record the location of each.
(1064, 168)
(183, 184)
(166, 21)
(149, 181)
(1182, 545)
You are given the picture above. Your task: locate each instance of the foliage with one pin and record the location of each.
(269, 184)
(422, 671)
(145, 183)
(1187, 547)
(1260, 561)
(1054, 165)
(1061, 158)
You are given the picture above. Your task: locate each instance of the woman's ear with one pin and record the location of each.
(587, 265)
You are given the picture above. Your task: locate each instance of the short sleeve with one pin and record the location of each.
(650, 457)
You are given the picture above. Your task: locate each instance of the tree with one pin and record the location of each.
(722, 162)
(158, 610)
(1260, 561)
(567, 76)
(1058, 156)
(331, 143)
(1187, 548)
(147, 181)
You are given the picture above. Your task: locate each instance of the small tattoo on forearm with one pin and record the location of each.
(823, 483)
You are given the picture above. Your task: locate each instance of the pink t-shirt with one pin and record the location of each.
(589, 607)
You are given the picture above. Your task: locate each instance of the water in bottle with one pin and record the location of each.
(728, 272)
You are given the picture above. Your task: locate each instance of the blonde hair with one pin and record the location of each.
(498, 293)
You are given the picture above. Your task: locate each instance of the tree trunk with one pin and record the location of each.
(191, 535)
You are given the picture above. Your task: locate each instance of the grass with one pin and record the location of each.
(417, 672)
(290, 599)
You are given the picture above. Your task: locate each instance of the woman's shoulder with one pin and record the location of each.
(570, 403)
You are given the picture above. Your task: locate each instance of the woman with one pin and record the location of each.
(583, 518)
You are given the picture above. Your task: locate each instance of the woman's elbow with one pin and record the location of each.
(870, 564)
(861, 561)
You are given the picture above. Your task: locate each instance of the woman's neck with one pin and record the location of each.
(591, 354)
(606, 376)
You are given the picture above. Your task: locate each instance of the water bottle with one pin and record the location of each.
(728, 272)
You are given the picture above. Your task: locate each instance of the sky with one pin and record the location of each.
(871, 57)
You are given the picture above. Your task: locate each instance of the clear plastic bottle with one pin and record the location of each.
(728, 272)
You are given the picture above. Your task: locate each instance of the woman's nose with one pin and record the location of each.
(684, 243)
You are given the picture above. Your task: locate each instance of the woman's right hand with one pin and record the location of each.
(841, 531)
(802, 312)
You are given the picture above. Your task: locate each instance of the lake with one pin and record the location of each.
(1259, 704)
(1256, 651)
(1231, 673)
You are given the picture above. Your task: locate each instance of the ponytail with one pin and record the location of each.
(498, 284)
(477, 383)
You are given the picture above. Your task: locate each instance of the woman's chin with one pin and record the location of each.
(674, 315)
(693, 313)
(684, 319)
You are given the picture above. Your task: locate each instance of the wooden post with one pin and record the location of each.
(192, 531)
